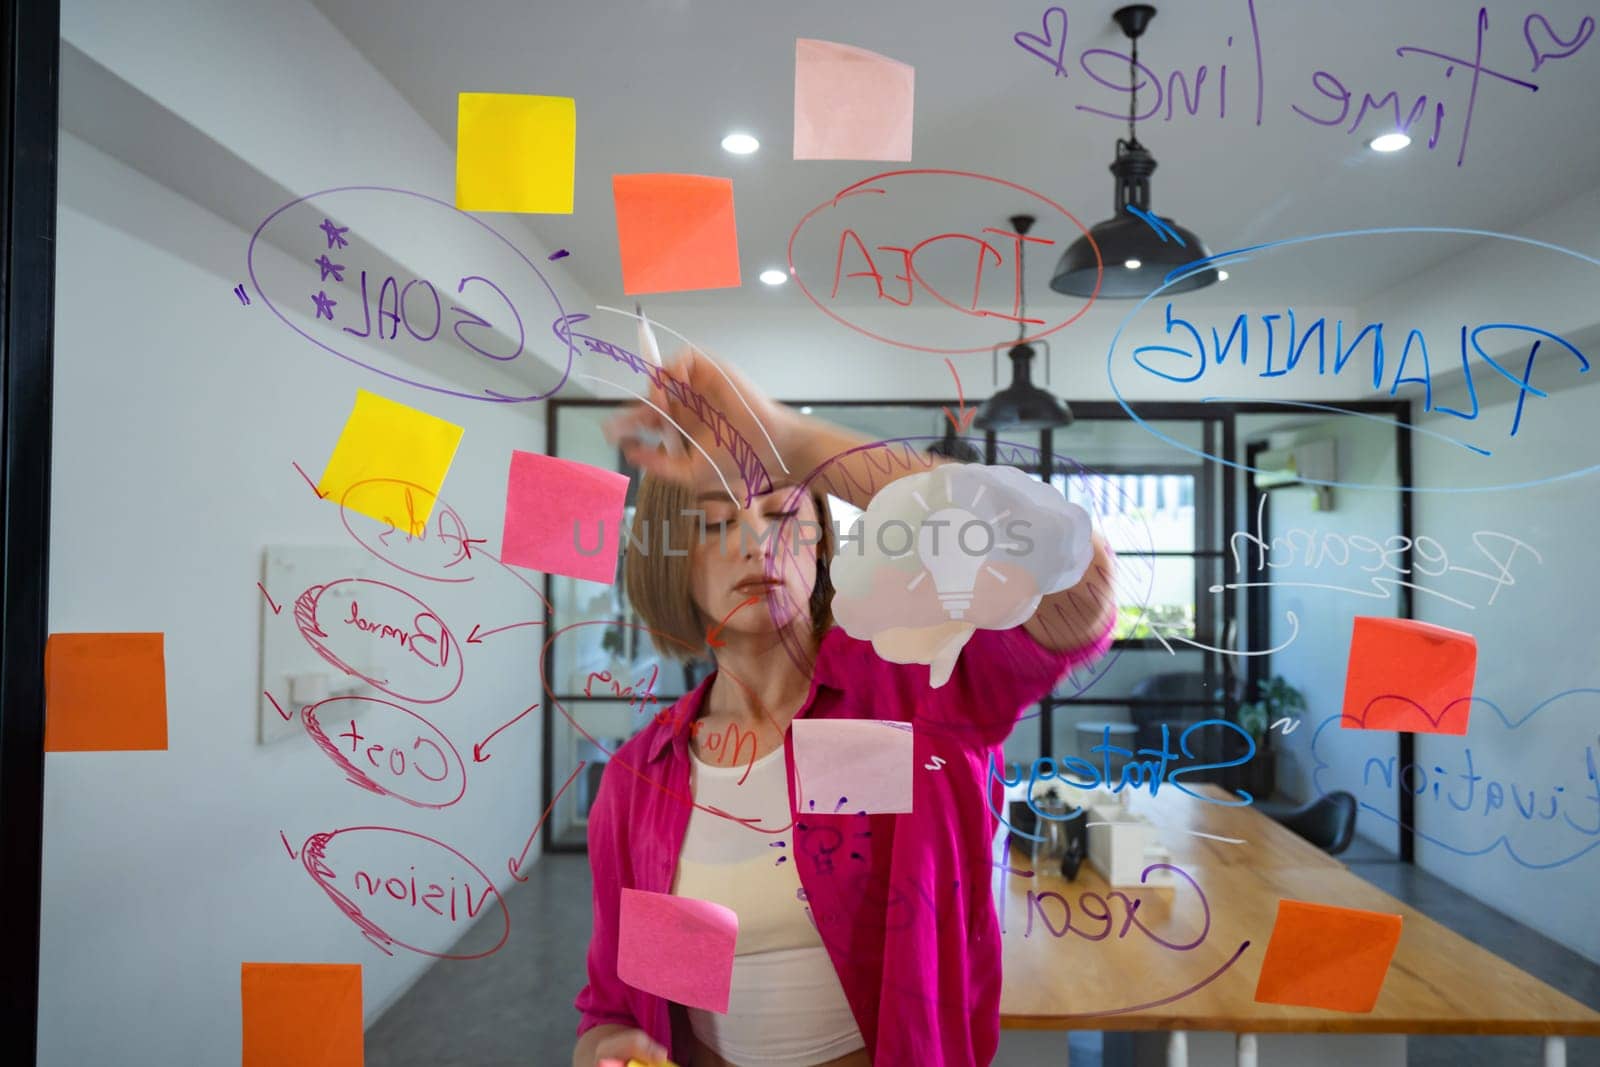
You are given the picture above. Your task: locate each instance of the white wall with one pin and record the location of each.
(178, 412)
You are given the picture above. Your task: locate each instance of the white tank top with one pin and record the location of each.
(786, 1007)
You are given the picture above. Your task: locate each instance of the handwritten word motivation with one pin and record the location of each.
(1312, 549)
(1284, 342)
(870, 247)
(1327, 100)
(1484, 791)
(1136, 773)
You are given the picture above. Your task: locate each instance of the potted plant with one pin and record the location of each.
(1277, 700)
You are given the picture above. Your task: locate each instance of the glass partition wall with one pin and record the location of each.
(1192, 590)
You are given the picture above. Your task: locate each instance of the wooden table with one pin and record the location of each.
(1187, 957)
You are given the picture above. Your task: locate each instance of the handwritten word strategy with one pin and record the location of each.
(1186, 365)
(1311, 549)
(1328, 99)
(1135, 772)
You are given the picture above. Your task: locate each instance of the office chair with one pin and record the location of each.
(1329, 822)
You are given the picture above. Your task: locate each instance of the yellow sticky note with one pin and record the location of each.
(515, 152)
(395, 450)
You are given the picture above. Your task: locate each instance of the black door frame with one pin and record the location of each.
(31, 72)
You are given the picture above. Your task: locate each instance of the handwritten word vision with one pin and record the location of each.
(1283, 342)
(1327, 100)
(1312, 549)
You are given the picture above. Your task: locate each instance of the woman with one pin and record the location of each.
(863, 938)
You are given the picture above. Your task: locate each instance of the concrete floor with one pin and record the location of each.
(514, 1008)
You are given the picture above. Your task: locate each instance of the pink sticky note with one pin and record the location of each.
(563, 517)
(851, 765)
(677, 947)
(850, 103)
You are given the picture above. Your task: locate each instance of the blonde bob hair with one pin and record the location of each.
(658, 582)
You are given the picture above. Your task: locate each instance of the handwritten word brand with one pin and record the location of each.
(1328, 101)
(415, 639)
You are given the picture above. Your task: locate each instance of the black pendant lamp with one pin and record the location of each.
(1138, 252)
(1022, 405)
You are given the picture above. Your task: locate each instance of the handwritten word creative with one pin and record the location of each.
(867, 248)
(1300, 550)
(404, 889)
(339, 288)
(1325, 98)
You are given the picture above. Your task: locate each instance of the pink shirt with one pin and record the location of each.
(903, 902)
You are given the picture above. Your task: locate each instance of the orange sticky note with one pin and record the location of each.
(675, 232)
(850, 103)
(1321, 956)
(301, 1014)
(1408, 675)
(105, 693)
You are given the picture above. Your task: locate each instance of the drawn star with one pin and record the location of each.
(324, 305)
(334, 233)
(328, 267)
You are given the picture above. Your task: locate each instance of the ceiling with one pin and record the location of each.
(658, 83)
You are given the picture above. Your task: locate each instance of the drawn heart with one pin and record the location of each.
(1585, 31)
(1028, 40)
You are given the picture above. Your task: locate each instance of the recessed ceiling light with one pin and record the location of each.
(740, 144)
(1389, 142)
(1222, 275)
(806, 409)
(772, 276)
(1133, 264)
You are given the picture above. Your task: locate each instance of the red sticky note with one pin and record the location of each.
(1407, 675)
(851, 765)
(1321, 956)
(105, 693)
(563, 517)
(675, 232)
(850, 103)
(301, 1014)
(677, 947)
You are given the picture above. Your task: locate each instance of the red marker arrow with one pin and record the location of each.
(711, 634)
(516, 861)
(275, 704)
(477, 749)
(276, 609)
(321, 494)
(286, 845)
(468, 542)
(476, 637)
(967, 413)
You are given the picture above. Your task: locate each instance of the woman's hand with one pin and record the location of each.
(731, 402)
(620, 1045)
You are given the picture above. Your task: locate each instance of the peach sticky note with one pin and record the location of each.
(515, 152)
(851, 765)
(675, 232)
(1407, 675)
(387, 440)
(105, 693)
(1321, 956)
(677, 947)
(563, 517)
(301, 1014)
(850, 103)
